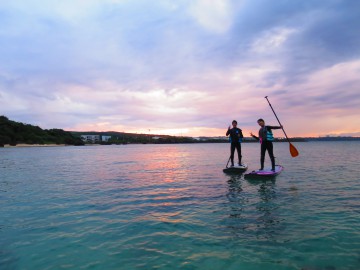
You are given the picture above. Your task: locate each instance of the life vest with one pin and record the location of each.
(237, 131)
(269, 135)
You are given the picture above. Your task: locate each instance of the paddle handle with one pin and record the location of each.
(277, 119)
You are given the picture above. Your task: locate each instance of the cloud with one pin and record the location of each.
(191, 65)
(213, 15)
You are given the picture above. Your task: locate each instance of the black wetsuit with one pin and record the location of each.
(266, 139)
(235, 138)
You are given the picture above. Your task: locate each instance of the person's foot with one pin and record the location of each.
(261, 169)
(232, 165)
(273, 169)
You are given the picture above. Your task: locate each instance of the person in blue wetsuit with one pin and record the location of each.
(266, 138)
(235, 139)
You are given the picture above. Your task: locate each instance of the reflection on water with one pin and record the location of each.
(172, 207)
(264, 222)
(235, 196)
(268, 221)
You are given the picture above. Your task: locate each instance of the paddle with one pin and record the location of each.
(293, 151)
(228, 162)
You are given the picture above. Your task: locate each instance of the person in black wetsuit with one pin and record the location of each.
(235, 139)
(266, 138)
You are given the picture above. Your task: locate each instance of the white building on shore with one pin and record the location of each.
(105, 138)
(90, 138)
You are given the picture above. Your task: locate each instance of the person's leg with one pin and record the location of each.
(262, 155)
(232, 151)
(238, 148)
(270, 149)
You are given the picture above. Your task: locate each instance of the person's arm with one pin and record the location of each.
(255, 137)
(241, 134)
(273, 127)
(228, 131)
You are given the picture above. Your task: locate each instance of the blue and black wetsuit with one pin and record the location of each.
(266, 138)
(235, 139)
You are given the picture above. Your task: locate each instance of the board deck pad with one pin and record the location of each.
(266, 172)
(236, 169)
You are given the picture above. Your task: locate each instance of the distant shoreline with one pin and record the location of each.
(33, 145)
(16, 134)
(331, 139)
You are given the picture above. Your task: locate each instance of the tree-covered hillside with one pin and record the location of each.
(13, 133)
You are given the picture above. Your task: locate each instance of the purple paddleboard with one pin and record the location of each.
(265, 173)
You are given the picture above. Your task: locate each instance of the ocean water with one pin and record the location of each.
(172, 207)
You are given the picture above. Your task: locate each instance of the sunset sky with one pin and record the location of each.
(181, 67)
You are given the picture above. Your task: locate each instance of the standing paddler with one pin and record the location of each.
(235, 139)
(266, 138)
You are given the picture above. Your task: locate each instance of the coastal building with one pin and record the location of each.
(105, 138)
(90, 138)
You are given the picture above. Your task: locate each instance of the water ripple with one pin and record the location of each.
(172, 207)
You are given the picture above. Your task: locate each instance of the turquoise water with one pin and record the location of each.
(172, 207)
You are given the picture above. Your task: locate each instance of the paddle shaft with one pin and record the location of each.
(228, 162)
(277, 119)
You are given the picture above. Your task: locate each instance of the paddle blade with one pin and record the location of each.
(293, 151)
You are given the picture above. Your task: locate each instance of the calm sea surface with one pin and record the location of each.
(172, 207)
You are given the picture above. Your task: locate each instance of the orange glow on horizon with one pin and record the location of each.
(204, 132)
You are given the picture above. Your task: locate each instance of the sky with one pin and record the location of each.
(182, 67)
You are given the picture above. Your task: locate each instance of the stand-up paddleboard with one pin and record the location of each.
(236, 169)
(265, 173)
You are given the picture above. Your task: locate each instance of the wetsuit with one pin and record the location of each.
(266, 138)
(235, 139)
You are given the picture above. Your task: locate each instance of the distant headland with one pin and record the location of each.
(14, 133)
